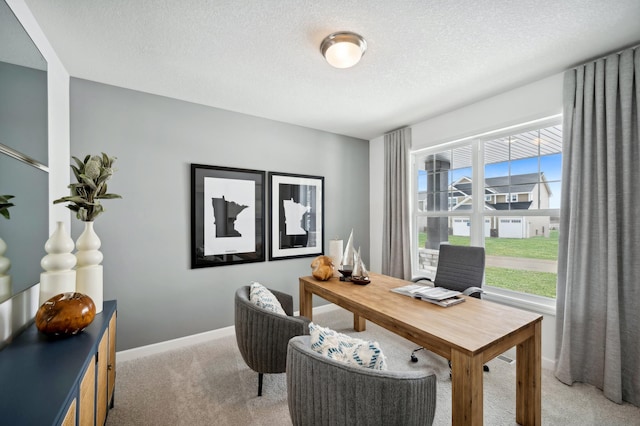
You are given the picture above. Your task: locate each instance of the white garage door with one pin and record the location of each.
(511, 227)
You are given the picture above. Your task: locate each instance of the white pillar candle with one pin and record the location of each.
(335, 251)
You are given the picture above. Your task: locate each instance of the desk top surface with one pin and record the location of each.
(471, 326)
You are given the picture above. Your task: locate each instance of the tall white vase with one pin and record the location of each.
(89, 270)
(59, 276)
(5, 278)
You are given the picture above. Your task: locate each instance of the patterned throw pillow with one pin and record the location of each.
(263, 298)
(351, 350)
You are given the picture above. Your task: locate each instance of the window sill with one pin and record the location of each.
(530, 302)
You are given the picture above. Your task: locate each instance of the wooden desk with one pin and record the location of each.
(469, 334)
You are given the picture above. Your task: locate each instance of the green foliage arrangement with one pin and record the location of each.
(5, 204)
(92, 175)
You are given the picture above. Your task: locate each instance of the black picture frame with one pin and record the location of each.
(237, 196)
(304, 195)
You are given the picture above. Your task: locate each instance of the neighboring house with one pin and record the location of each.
(528, 191)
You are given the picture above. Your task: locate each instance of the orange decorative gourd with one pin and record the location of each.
(322, 268)
(65, 314)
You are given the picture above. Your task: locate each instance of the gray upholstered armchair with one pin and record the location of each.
(262, 335)
(322, 391)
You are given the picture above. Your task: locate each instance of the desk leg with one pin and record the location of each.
(306, 302)
(466, 389)
(528, 379)
(359, 323)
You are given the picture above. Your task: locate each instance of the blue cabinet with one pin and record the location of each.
(56, 381)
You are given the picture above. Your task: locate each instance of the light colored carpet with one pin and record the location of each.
(209, 384)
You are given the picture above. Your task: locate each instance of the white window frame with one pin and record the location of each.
(478, 213)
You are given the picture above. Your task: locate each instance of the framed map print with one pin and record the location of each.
(296, 215)
(227, 216)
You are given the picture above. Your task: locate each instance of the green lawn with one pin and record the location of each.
(532, 248)
(539, 283)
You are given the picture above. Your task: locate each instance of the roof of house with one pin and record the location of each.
(517, 183)
(518, 205)
(523, 183)
(503, 184)
(463, 189)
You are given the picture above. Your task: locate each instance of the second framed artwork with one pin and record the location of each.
(297, 215)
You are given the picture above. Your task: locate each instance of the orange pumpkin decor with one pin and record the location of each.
(322, 268)
(65, 314)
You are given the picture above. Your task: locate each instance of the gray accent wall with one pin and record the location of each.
(23, 110)
(23, 130)
(146, 236)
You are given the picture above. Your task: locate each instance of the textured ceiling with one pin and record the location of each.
(261, 57)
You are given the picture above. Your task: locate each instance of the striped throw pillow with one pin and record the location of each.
(350, 350)
(263, 298)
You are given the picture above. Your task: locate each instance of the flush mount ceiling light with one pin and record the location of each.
(343, 49)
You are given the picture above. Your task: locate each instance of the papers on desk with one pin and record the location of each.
(437, 295)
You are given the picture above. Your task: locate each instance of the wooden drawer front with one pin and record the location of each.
(101, 400)
(111, 367)
(88, 395)
(70, 417)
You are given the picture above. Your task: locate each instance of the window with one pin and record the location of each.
(516, 216)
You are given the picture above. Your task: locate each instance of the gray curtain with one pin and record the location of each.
(598, 301)
(396, 247)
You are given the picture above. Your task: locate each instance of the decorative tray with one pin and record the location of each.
(360, 280)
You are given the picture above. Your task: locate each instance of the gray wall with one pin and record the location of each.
(23, 110)
(146, 235)
(23, 128)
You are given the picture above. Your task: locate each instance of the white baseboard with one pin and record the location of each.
(181, 342)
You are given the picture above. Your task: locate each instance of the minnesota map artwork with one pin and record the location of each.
(297, 217)
(229, 219)
(225, 215)
(294, 214)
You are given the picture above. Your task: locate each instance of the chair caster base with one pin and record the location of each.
(414, 358)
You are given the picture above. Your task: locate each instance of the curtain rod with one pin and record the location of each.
(399, 128)
(618, 52)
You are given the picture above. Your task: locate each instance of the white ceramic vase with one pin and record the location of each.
(89, 270)
(5, 278)
(59, 276)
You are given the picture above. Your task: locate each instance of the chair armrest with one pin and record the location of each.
(418, 279)
(473, 291)
(262, 335)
